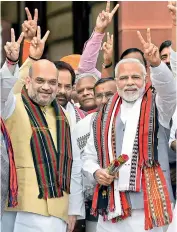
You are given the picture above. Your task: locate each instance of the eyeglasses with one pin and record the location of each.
(107, 95)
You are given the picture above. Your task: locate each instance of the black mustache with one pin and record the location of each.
(48, 92)
(61, 95)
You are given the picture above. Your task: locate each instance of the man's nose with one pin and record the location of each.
(168, 59)
(62, 90)
(86, 92)
(45, 86)
(104, 99)
(130, 81)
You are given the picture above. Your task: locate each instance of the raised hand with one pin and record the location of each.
(12, 48)
(29, 27)
(151, 52)
(172, 9)
(105, 17)
(108, 49)
(37, 44)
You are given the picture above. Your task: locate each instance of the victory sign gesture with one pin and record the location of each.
(172, 9)
(29, 27)
(105, 18)
(37, 44)
(12, 48)
(108, 49)
(151, 52)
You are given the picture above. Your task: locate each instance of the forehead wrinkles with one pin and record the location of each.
(107, 86)
(64, 81)
(64, 73)
(45, 79)
(86, 82)
(44, 73)
(130, 74)
(50, 75)
(130, 69)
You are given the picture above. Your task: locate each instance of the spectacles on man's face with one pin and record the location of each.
(108, 95)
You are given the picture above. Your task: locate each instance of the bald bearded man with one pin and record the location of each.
(36, 127)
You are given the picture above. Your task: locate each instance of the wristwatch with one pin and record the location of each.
(106, 65)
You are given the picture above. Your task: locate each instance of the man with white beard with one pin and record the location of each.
(131, 123)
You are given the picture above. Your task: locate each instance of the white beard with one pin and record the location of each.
(131, 96)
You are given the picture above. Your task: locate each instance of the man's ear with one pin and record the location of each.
(27, 81)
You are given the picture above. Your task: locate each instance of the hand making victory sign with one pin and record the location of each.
(108, 49)
(12, 48)
(38, 44)
(151, 52)
(105, 18)
(29, 27)
(172, 9)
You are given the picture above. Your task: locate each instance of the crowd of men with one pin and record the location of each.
(64, 123)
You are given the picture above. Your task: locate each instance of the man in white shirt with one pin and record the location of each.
(124, 130)
(104, 89)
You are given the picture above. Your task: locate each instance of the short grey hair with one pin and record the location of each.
(130, 60)
(80, 76)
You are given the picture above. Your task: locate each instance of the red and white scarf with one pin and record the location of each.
(140, 143)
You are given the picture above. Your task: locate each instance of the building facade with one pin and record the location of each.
(72, 22)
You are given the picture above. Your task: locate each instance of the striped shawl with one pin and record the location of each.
(53, 166)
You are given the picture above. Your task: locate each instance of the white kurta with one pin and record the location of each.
(8, 77)
(173, 129)
(164, 84)
(173, 62)
(86, 183)
(135, 223)
(80, 137)
(76, 199)
(72, 114)
(70, 110)
(30, 222)
(173, 226)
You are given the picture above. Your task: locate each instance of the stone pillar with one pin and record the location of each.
(141, 15)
